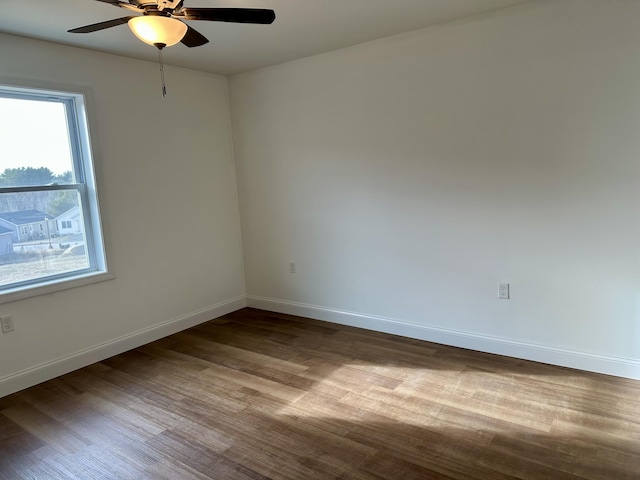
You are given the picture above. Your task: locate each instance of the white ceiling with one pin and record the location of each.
(301, 28)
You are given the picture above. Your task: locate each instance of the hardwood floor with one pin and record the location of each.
(258, 395)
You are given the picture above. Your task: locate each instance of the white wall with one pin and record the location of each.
(168, 195)
(408, 176)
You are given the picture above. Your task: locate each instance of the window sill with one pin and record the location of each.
(54, 286)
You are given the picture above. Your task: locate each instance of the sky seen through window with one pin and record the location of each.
(34, 134)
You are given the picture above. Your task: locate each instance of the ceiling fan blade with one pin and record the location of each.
(117, 3)
(100, 26)
(193, 38)
(235, 15)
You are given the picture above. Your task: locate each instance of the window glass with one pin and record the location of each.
(30, 158)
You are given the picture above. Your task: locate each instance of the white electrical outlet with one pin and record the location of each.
(292, 267)
(7, 324)
(503, 291)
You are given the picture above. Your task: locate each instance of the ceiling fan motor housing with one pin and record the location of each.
(172, 4)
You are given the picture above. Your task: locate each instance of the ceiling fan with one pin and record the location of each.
(161, 23)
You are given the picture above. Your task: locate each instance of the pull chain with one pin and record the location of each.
(160, 46)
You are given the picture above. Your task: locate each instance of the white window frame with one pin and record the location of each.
(75, 100)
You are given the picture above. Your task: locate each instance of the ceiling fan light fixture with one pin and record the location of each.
(156, 29)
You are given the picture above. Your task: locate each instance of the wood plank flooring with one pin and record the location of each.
(259, 395)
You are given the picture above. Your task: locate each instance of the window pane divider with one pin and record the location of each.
(42, 188)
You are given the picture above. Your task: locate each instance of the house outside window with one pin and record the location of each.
(41, 179)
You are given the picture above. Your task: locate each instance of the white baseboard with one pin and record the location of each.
(46, 371)
(620, 367)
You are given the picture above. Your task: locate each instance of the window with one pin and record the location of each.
(46, 173)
